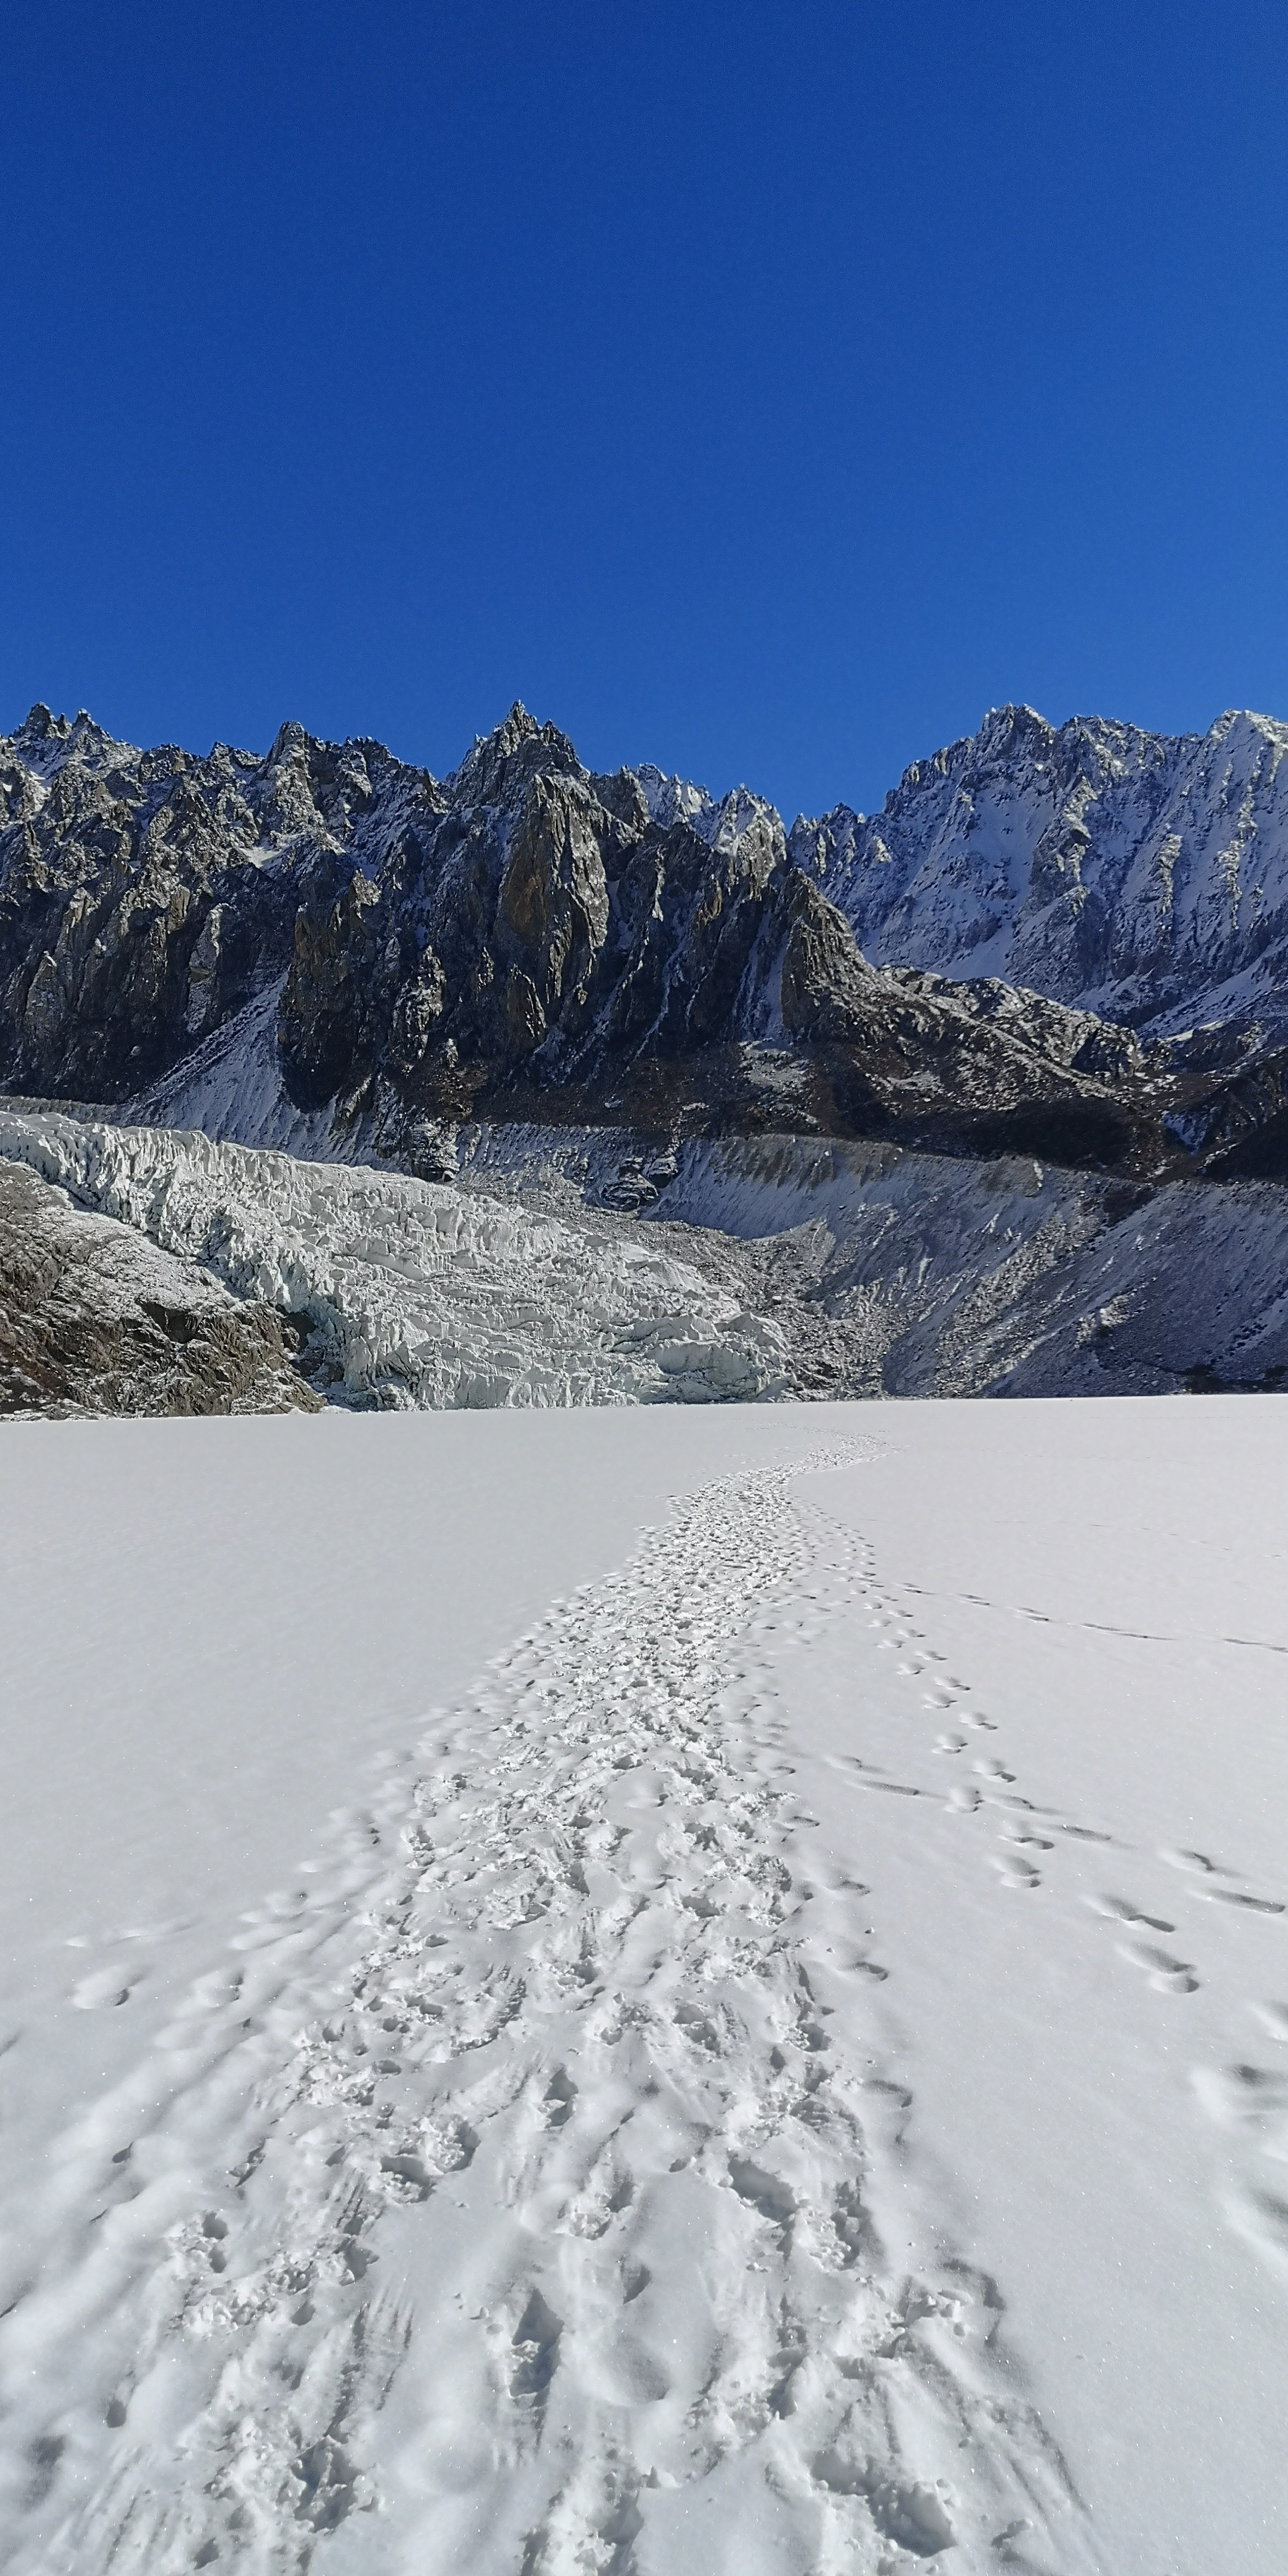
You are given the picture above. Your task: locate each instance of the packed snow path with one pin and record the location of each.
(512, 2206)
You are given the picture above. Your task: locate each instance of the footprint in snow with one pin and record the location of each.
(1273, 2019)
(1167, 1976)
(1120, 1909)
(535, 2121)
(105, 1987)
(1014, 1871)
(1261, 2218)
(1243, 2097)
(1236, 1896)
(1201, 1865)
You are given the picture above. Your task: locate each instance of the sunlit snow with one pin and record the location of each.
(646, 1992)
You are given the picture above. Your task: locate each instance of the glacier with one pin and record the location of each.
(748, 1269)
(415, 1293)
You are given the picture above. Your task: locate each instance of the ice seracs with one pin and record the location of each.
(414, 1293)
(565, 1266)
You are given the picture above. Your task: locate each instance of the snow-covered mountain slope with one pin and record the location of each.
(765, 1267)
(904, 1274)
(531, 939)
(1140, 876)
(767, 2074)
(948, 1278)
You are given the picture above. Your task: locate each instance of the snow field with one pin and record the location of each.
(545, 2231)
(788, 2076)
(1052, 1718)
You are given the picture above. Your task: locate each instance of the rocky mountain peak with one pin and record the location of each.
(290, 742)
(40, 726)
(527, 932)
(1141, 876)
(499, 765)
(47, 742)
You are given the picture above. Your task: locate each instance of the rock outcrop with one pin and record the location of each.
(145, 896)
(95, 1318)
(553, 947)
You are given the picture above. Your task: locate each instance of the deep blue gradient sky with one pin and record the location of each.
(763, 390)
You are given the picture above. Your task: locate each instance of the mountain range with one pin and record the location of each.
(1068, 942)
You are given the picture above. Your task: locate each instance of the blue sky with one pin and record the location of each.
(761, 390)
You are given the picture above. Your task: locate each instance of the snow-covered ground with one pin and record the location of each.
(554, 2028)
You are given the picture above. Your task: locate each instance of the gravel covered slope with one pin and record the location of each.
(95, 1318)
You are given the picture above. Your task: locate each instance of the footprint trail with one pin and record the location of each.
(515, 2213)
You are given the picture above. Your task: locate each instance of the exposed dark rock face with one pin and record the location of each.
(95, 1319)
(552, 946)
(529, 940)
(145, 895)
